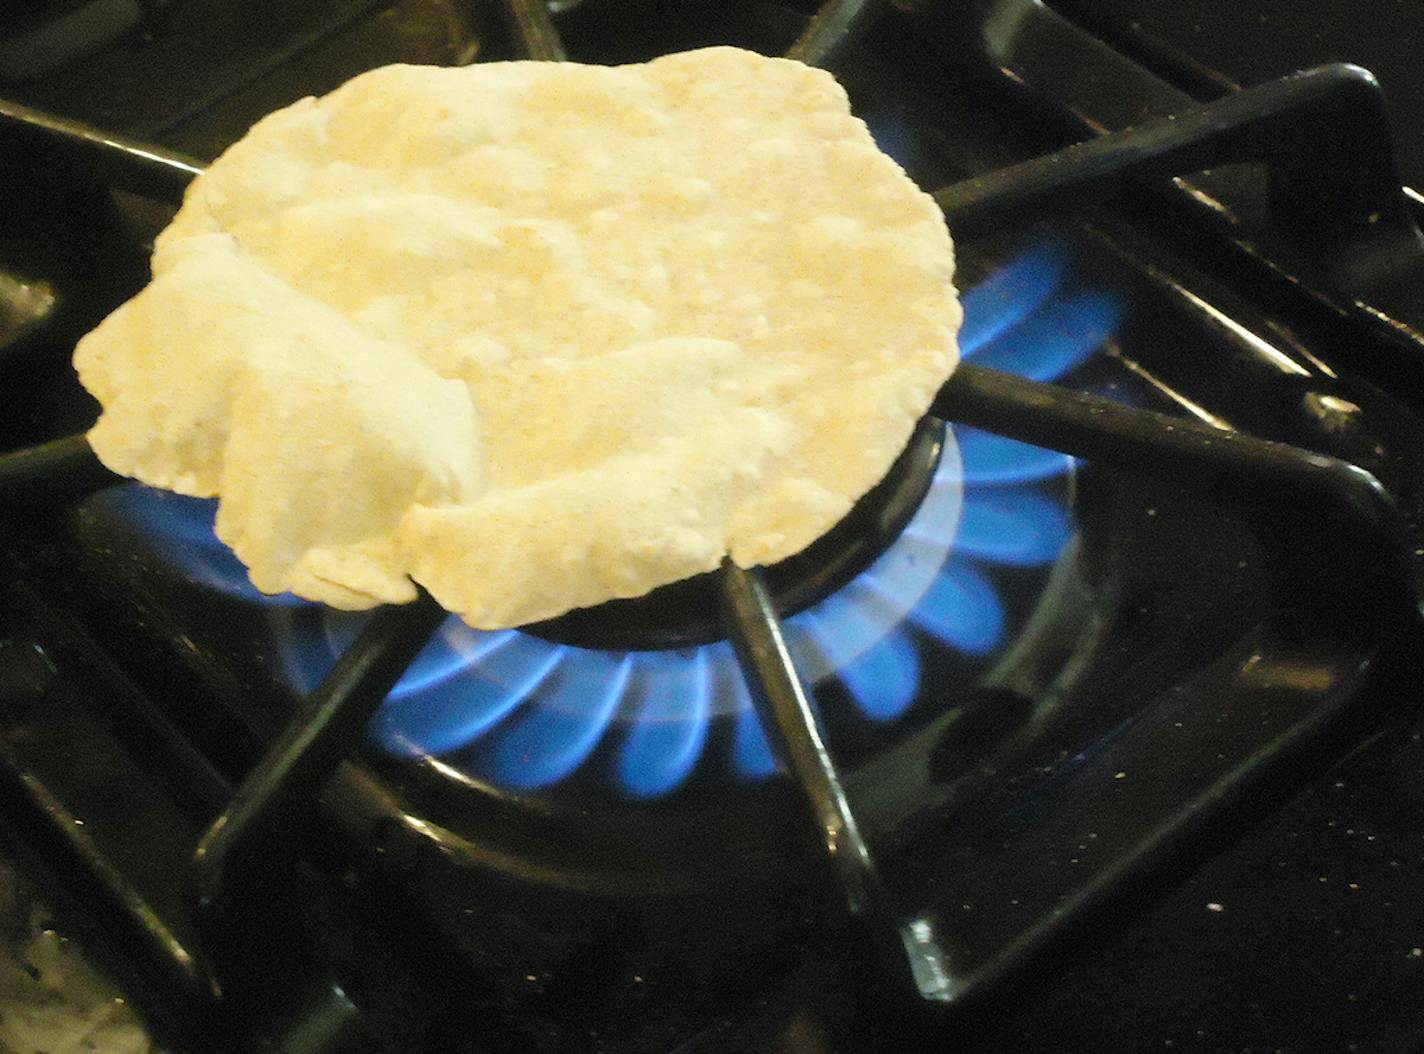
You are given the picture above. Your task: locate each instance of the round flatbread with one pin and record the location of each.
(533, 335)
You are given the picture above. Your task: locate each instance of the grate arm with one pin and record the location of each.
(756, 634)
(908, 950)
(1324, 134)
(51, 473)
(1337, 539)
(837, 25)
(534, 30)
(143, 168)
(1335, 533)
(260, 834)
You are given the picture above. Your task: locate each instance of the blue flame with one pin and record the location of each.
(1005, 299)
(1016, 527)
(1055, 339)
(752, 755)
(181, 529)
(963, 610)
(670, 723)
(525, 713)
(545, 743)
(894, 135)
(886, 679)
(446, 715)
(451, 650)
(990, 460)
(823, 625)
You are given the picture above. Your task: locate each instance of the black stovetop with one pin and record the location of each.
(1094, 659)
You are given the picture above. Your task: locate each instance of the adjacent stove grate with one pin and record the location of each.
(1335, 542)
(1331, 216)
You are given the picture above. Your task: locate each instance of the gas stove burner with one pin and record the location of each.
(524, 710)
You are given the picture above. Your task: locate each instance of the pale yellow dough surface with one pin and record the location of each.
(534, 335)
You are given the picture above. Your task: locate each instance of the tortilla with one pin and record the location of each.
(534, 335)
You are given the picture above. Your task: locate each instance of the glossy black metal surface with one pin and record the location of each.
(195, 74)
(143, 168)
(1284, 691)
(1212, 49)
(1037, 51)
(60, 470)
(901, 956)
(1282, 488)
(42, 970)
(1311, 502)
(262, 829)
(123, 858)
(534, 29)
(118, 826)
(1314, 908)
(833, 28)
(756, 631)
(244, 868)
(1338, 191)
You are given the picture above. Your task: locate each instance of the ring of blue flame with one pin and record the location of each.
(524, 713)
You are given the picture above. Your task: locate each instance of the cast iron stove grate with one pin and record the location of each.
(1336, 549)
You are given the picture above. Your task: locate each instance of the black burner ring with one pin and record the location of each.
(685, 613)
